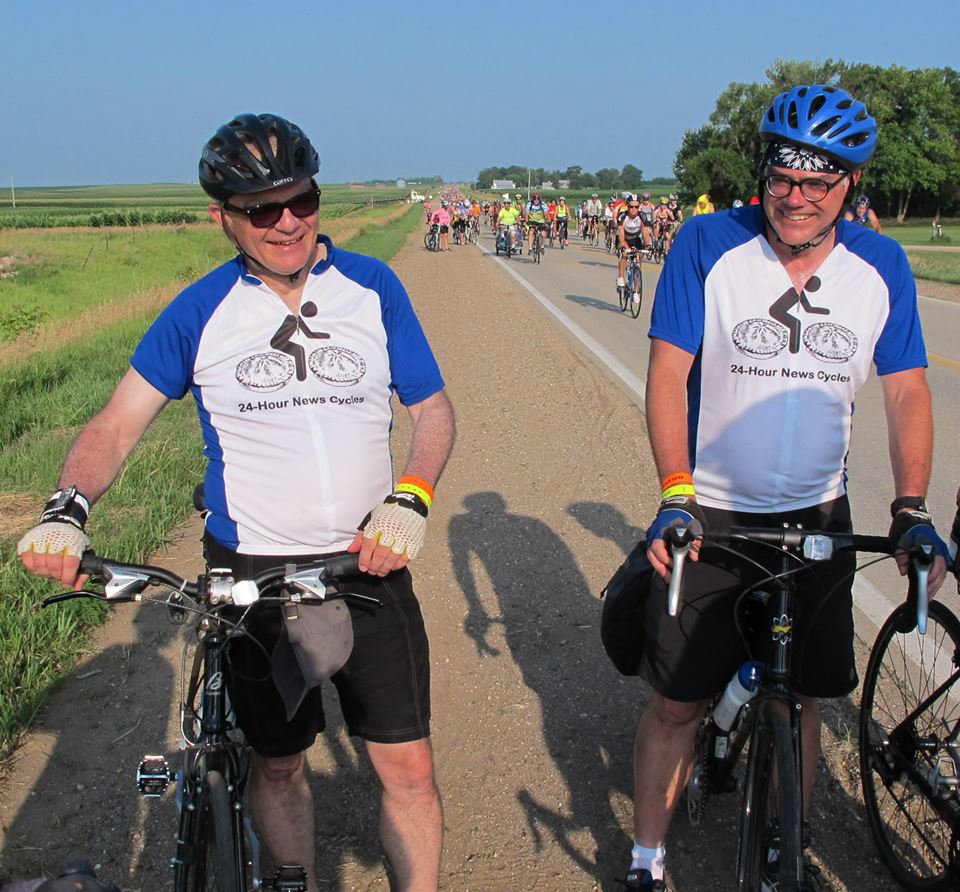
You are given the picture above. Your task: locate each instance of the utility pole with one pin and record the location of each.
(13, 194)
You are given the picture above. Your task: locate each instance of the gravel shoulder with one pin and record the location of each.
(549, 485)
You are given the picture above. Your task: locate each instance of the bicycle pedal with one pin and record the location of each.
(153, 776)
(288, 878)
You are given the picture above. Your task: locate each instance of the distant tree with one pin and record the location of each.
(631, 177)
(917, 162)
(608, 178)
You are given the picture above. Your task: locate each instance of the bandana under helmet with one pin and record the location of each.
(796, 157)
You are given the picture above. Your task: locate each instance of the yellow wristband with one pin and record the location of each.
(681, 489)
(415, 490)
(417, 481)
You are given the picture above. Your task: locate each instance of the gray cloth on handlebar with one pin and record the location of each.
(316, 643)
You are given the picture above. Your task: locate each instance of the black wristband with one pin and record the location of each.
(66, 506)
(918, 503)
(408, 500)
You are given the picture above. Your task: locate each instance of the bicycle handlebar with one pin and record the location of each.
(308, 581)
(813, 545)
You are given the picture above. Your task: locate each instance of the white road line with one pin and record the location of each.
(635, 385)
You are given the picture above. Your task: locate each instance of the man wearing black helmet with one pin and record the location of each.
(766, 322)
(292, 351)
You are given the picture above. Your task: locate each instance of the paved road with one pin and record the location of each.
(577, 286)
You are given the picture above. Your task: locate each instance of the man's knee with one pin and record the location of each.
(279, 769)
(404, 768)
(674, 713)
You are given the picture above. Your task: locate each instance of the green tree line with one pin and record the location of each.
(607, 178)
(915, 171)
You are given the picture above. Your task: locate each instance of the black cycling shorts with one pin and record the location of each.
(384, 688)
(692, 656)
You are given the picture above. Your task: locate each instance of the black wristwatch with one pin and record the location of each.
(918, 503)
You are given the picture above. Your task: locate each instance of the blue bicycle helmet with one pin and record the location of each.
(824, 118)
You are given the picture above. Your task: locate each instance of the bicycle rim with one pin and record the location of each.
(899, 757)
(771, 793)
(209, 860)
(637, 291)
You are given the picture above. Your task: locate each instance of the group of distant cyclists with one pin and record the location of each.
(629, 224)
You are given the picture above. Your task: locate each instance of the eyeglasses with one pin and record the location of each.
(633, 207)
(263, 216)
(780, 186)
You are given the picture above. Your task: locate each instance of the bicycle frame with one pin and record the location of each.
(210, 750)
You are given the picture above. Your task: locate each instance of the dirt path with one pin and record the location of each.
(549, 484)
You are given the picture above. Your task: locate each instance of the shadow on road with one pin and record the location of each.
(593, 302)
(549, 619)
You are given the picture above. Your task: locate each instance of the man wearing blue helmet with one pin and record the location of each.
(766, 323)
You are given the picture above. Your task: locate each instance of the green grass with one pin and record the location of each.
(158, 203)
(60, 274)
(917, 233)
(936, 266)
(47, 399)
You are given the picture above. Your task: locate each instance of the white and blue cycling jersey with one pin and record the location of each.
(294, 408)
(771, 390)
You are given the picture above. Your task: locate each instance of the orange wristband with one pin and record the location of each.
(416, 485)
(674, 479)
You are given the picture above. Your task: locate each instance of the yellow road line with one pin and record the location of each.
(944, 360)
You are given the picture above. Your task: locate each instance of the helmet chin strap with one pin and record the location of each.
(291, 277)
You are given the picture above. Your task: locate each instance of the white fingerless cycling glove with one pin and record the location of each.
(60, 530)
(400, 523)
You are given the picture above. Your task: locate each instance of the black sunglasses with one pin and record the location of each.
(263, 216)
(634, 207)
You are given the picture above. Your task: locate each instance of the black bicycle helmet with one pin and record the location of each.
(228, 167)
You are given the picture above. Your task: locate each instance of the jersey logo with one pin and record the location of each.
(267, 372)
(767, 338)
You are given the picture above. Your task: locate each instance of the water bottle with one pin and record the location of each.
(740, 689)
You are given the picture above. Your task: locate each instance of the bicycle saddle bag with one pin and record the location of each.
(624, 602)
(315, 644)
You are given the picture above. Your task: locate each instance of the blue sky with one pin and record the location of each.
(104, 91)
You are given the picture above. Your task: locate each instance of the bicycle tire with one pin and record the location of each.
(622, 295)
(913, 834)
(636, 279)
(207, 861)
(772, 754)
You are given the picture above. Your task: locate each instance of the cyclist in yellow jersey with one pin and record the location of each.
(508, 218)
(535, 215)
(564, 216)
(704, 205)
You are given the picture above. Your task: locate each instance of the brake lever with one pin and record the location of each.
(83, 593)
(679, 539)
(922, 563)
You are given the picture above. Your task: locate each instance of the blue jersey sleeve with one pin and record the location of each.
(678, 308)
(414, 372)
(166, 354)
(900, 345)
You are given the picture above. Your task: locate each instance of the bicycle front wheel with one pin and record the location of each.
(636, 292)
(909, 714)
(207, 851)
(771, 815)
